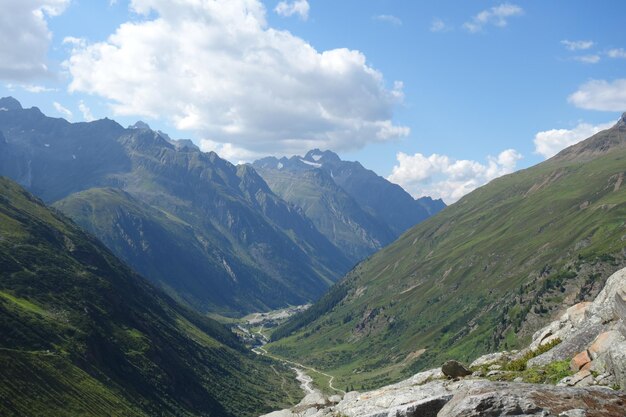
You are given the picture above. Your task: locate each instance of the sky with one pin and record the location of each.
(438, 96)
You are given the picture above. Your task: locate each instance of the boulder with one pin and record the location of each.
(579, 361)
(455, 369)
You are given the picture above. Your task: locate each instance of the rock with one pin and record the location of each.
(399, 400)
(478, 374)
(495, 367)
(483, 398)
(455, 369)
(495, 372)
(582, 378)
(576, 412)
(426, 376)
(575, 342)
(616, 363)
(604, 342)
(579, 361)
(490, 359)
(334, 399)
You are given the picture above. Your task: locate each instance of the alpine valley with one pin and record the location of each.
(140, 276)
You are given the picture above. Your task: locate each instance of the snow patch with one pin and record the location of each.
(47, 145)
(313, 164)
(280, 165)
(4, 109)
(73, 156)
(316, 157)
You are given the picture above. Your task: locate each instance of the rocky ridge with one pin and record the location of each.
(589, 338)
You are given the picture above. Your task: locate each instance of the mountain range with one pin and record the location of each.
(82, 334)
(356, 209)
(480, 276)
(212, 234)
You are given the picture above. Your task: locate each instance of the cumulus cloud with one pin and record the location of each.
(86, 111)
(601, 95)
(550, 142)
(497, 16)
(215, 68)
(63, 110)
(577, 45)
(440, 176)
(26, 37)
(438, 25)
(388, 18)
(616, 53)
(290, 8)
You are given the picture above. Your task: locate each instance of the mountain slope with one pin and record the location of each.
(357, 210)
(481, 275)
(84, 335)
(273, 253)
(335, 213)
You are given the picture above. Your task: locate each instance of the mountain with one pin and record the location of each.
(82, 334)
(357, 210)
(480, 276)
(248, 250)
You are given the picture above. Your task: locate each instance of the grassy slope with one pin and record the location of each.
(480, 276)
(84, 335)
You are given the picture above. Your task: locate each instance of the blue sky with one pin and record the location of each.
(439, 96)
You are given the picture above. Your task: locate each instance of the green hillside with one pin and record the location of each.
(84, 335)
(480, 276)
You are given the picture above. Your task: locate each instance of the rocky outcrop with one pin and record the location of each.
(593, 335)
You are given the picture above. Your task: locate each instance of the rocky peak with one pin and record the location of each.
(622, 121)
(315, 155)
(9, 103)
(140, 125)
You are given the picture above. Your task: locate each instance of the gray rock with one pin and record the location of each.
(455, 369)
(490, 359)
(484, 398)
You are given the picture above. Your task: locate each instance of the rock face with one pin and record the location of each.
(593, 334)
(455, 369)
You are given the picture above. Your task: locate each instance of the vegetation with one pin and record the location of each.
(479, 277)
(84, 335)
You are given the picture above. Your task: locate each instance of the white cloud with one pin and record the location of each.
(25, 37)
(587, 59)
(601, 95)
(438, 25)
(31, 88)
(617, 53)
(63, 110)
(550, 142)
(440, 176)
(388, 18)
(577, 45)
(215, 68)
(496, 16)
(86, 111)
(290, 8)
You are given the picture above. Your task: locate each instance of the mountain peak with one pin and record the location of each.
(140, 125)
(9, 103)
(622, 121)
(315, 155)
